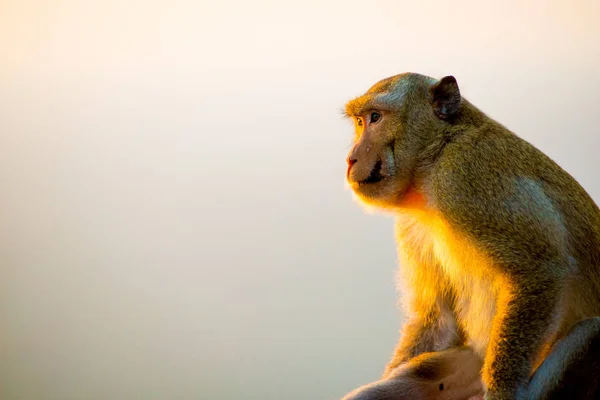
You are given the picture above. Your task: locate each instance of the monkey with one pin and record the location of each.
(498, 247)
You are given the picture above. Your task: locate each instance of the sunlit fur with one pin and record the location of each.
(465, 268)
(499, 248)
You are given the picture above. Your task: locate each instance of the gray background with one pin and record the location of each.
(174, 222)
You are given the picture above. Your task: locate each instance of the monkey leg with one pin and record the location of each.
(572, 369)
(452, 374)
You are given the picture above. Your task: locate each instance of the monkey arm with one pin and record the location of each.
(526, 315)
(489, 190)
(423, 334)
(431, 323)
(528, 250)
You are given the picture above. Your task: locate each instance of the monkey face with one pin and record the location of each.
(394, 121)
(373, 172)
(384, 150)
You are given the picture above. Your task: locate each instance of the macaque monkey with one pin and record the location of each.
(499, 250)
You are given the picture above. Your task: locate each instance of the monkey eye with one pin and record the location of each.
(359, 121)
(375, 117)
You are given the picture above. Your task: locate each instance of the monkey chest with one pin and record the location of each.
(459, 264)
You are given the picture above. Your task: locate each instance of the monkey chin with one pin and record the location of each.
(383, 196)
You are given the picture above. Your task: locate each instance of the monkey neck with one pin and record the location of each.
(413, 199)
(469, 116)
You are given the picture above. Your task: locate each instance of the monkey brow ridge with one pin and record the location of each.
(359, 105)
(385, 94)
(381, 101)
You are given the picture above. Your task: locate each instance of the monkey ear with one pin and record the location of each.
(446, 97)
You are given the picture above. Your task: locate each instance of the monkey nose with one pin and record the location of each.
(351, 162)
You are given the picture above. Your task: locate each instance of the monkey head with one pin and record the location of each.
(395, 120)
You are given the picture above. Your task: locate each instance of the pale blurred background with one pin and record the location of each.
(174, 222)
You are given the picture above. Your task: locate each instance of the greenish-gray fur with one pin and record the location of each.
(537, 224)
(531, 216)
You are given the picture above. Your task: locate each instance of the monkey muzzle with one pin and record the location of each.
(375, 175)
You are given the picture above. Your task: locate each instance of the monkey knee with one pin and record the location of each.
(584, 335)
(571, 370)
(589, 330)
(590, 327)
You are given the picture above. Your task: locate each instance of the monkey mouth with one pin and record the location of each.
(375, 175)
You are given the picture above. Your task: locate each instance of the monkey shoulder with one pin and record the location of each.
(482, 170)
(486, 185)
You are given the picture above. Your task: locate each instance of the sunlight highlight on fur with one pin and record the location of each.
(424, 232)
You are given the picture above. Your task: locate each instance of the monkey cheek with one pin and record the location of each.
(389, 162)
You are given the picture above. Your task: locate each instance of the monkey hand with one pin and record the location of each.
(386, 389)
(403, 389)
